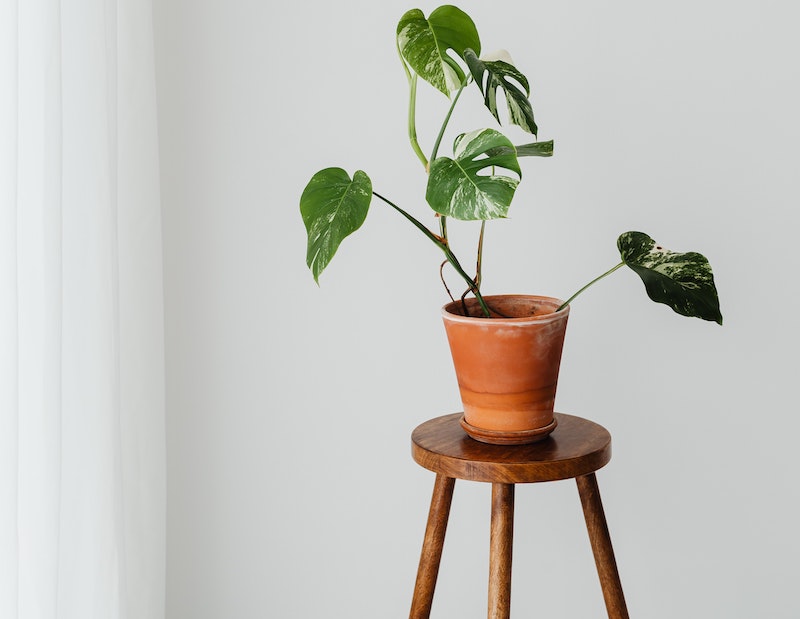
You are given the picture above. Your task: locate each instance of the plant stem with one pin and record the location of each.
(479, 264)
(594, 281)
(412, 119)
(447, 119)
(412, 111)
(441, 244)
(443, 218)
(443, 227)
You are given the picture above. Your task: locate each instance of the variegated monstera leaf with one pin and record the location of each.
(490, 75)
(425, 43)
(683, 281)
(457, 188)
(534, 149)
(333, 206)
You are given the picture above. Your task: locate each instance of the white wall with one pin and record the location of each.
(291, 488)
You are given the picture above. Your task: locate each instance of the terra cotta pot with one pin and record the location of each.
(507, 365)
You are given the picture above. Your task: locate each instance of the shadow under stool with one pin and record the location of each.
(576, 449)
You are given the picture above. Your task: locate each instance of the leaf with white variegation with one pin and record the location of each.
(333, 206)
(497, 74)
(683, 281)
(534, 149)
(424, 44)
(455, 187)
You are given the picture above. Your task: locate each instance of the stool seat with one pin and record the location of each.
(576, 447)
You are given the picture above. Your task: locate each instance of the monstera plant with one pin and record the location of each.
(506, 349)
(478, 180)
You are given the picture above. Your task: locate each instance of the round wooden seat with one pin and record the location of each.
(576, 447)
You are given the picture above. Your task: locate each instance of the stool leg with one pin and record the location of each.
(601, 546)
(432, 547)
(501, 542)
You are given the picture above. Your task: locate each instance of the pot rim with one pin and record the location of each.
(524, 320)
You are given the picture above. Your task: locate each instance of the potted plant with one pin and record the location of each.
(507, 348)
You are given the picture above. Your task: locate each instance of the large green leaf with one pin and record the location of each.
(333, 206)
(683, 281)
(489, 75)
(424, 44)
(455, 187)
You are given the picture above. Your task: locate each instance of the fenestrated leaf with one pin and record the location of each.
(683, 281)
(424, 44)
(497, 74)
(534, 149)
(333, 206)
(457, 190)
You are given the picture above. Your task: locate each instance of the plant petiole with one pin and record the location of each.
(441, 244)
(594, 281)
(447, 119)
(479, 262)
(412, 112)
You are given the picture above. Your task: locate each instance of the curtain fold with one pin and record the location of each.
(82, 453)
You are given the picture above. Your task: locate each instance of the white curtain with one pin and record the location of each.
(82, 455)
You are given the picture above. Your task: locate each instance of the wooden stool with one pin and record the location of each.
(577, 448)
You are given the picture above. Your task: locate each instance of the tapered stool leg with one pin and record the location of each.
(432, 547)
(601, 546)
(500, 551)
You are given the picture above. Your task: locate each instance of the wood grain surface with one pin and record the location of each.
(431, 555)
(501, 541)
(601, 546)
(576, 447)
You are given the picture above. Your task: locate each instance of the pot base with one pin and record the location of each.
(496, 437)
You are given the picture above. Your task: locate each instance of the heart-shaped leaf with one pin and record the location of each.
(457, 190)
(424, 44)
(497, 74)
(333, 206)
(683, 281)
